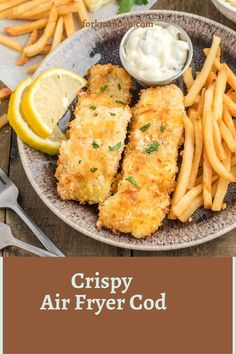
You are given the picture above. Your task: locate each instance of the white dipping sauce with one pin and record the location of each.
(156, 53)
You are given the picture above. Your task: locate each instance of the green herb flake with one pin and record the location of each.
(93, 107)
(103, 88)
(95, 145)
(120, 102)
(126, 5)
(93, 169)
(80, 162)
(116, 147)
(119, 87)
(155, 145)
(132, 181)
(112, 114)
(162, 128)
(145, 127)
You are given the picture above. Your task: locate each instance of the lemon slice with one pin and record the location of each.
(22, 128)
(48, 98)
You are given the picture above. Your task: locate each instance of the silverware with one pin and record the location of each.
(8, 199)
(7, 239)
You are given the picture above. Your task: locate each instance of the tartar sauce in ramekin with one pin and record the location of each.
(156, 53)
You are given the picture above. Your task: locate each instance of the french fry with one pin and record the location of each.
(26, 28)
(10, 43)
(202, 78)
(37, 47)
(45, 14)
(3, 121)
(186, 166)
(198, 133)
(207, 181)
(82, 12)
(227, 119)
(190, 196)
(216, 164)
(211, 78)
(230, 76)
(231, 106)
(195, 104)
(187, 200)
(222, 186)
(69, 25)
(58, 33)
(220, 87)
(188, 77)
(5, 14)
(228, 137)
(207, 50)
(233, 162)
(46, 50)
(11, 3)
(43, 8)
(195, 204)
(218, 140)
(5, 93)
(32, 39)
(232, 95)
(208, 107)
(201, 103)
(33, 68)
(208, 100)
(67, 9)
(21, 9)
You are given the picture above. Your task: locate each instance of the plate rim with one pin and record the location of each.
(101, 238)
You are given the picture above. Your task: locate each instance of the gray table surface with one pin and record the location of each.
(70, 241)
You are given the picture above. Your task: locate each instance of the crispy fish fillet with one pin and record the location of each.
(89, 160)
(112, 80)
(149, 166)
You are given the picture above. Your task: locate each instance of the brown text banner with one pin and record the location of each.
(118, 305)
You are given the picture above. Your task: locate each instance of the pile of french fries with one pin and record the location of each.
(208, 159)
(49, 22)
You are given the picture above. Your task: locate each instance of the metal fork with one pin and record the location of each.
(8, 199)
(7, 239)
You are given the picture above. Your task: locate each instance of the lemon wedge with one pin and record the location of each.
(22, 128)
(48, 98)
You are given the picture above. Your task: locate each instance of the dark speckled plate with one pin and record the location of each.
(90, 46)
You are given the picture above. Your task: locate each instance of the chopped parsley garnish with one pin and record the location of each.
(119, 86)
(95, 145)
(145, 127)
(80, 162)
(115, 148)
(112, 114)
(162, 128)
(132, 181)
(103, 88)
(93, 107)
(155, 145)
(93, 169)
(126, 5)
(120, 102)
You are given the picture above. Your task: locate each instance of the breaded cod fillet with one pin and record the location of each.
(89, 160)
(112, 80)
(149, 166)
